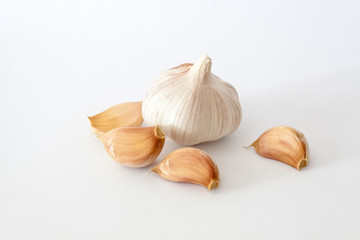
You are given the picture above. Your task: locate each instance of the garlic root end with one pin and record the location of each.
(213, 184)
(158, 133)
(303, 162)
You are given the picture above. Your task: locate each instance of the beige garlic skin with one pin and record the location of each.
(192, 105)
(284, 144)
(121, 115)
(134, 146)
(189, 165)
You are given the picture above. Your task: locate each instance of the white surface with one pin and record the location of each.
(293, 62)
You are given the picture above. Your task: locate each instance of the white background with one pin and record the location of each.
(293, 63)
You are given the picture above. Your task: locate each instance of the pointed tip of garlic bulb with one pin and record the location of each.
(192, 105)
(204, 59)
(121, 115)
(284, 144)
(201, 69)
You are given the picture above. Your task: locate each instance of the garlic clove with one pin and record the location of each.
(189, 165)
(121, 115)
(134, 146)
(284, 144)
(192, 105)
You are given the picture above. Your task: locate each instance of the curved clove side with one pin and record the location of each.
(134, 146)
(284, 144)
(121, 115)
(189, 165)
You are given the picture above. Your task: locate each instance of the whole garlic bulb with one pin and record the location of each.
(191, 105)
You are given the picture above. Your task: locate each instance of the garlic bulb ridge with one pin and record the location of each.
(192, 105)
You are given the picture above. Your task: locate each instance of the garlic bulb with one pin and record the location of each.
(191, 105)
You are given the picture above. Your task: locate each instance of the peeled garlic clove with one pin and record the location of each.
(284, 144)
(189, 165)
(121, 115)
(192, 105)
(134, 147)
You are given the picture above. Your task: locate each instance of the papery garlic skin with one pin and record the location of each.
(189, 165)
(121, 115)
(134, 146)
(284, 144)
(191, 105)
